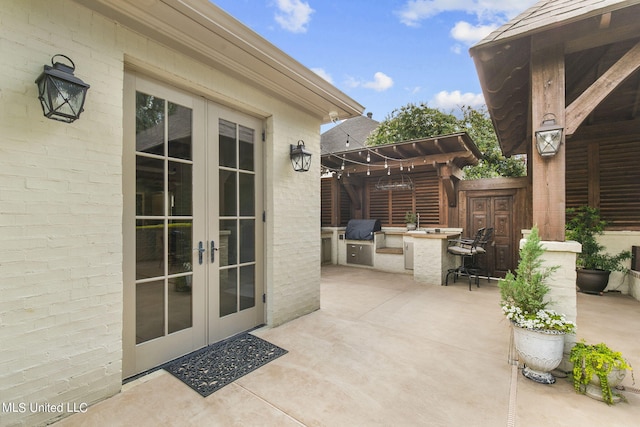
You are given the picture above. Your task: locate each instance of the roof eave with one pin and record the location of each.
(202, 30)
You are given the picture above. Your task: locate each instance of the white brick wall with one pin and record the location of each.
(293, 220)
(61, 204)
(60, 218)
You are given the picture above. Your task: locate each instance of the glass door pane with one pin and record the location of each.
(236, 202)
(164, 217)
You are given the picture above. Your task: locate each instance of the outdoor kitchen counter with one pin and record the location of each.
(431, 261)
(441, 236)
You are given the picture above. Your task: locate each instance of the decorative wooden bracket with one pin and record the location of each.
(449, 175)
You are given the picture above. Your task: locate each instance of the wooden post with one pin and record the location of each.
(548, 96)
(335, 202)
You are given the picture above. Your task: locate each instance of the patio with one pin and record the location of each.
(385, 350)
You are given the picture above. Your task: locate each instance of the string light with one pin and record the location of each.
(375, 151)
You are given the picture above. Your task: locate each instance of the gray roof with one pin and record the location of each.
(547, 14)
(356, 129)
(595, 34)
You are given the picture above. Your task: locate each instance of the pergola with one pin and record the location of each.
(432, 165)
(577, 62)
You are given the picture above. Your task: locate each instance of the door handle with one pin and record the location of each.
(201, 250)
(213, 251)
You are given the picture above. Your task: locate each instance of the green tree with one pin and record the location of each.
(412, 122)
(421, 121)
(493, 163)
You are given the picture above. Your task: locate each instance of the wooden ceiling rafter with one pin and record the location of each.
(420, 149)
(590, 42)
(577, 111)
(585, 71)
(623, 27)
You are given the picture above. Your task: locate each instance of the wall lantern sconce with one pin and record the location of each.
(548, 136)
(300, 157)
(61, 93)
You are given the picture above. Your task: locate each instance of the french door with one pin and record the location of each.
(193, 226)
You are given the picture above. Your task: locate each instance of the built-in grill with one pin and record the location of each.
(363, 230)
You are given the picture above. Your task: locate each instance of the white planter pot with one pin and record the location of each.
(540, 351)
(614, 378)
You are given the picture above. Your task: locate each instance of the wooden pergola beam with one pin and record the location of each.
(579, 109)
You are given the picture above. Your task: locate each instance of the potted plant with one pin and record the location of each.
(410, 220)
(597, 370)
(538, 332)
(594, 265)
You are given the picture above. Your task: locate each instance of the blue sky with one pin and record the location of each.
(383, 53)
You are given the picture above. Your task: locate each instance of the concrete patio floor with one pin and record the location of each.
(386, 351)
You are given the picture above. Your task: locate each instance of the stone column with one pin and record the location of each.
(562, 296)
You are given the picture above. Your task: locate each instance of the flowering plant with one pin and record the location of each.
(523, 293)
(543, 319)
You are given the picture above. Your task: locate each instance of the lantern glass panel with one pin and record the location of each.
(306, 161)
(548, 141)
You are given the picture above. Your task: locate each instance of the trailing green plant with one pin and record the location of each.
(523, 293)
(583, 226)
(599, 360)
(410, 217)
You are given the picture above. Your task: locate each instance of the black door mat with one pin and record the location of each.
(213, 367)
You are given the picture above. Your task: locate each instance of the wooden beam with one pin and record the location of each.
(603, 37)
(354, 195)
(548, 174)
(335, 202)
(605, 20)
(579, 109)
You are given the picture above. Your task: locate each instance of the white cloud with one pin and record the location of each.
(452, 100)
(294, 15)
(351, 82)
(469, 34)
(415, 11)
(380, 82)
(322, 73)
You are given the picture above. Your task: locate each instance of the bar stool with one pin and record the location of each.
(467, 249)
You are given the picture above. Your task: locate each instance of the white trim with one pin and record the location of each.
(205, 32)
